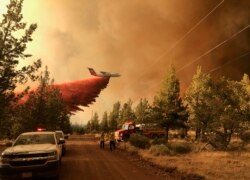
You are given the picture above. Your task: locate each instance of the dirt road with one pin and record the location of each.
(85, 160)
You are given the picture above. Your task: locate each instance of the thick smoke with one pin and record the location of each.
(130, 37)
(229, 59)
(79, 93)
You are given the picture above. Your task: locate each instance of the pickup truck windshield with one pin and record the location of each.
(125, 127)
(35, 139)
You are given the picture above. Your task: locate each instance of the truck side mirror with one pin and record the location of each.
(61, 141)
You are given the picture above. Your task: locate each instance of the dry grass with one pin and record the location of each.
(128, 147)
(212, 165)
(203, 161)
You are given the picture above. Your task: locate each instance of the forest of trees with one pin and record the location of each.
(45, 106)
(215, 109)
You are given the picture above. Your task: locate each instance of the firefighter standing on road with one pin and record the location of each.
(102, 140)
(111, 141)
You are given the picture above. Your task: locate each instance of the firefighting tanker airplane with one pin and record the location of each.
(102, 73)
(77, 93)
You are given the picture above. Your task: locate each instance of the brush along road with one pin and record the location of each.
(85, 160)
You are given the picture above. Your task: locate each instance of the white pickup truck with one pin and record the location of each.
(32, 154)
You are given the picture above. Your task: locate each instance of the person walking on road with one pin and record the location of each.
(102, 140)
(111, 141)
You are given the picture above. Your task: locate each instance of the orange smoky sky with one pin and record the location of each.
(138, 39)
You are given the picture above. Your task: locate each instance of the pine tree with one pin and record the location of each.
(95, 122)
(104, 123)
(44, 108)
(199, 98)
(168, 110)
(245, 98)
(143, 112)
(12, 53)
(114, 116)
(230, 114)
(127, 112)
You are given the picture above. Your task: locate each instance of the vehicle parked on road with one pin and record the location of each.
(148, 130)
(61, 137)
(32, 154)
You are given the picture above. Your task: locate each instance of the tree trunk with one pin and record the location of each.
(197, 133)
(228, 136)
(167, 131)
(202, 136)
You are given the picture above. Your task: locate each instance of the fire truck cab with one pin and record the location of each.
(127, 129)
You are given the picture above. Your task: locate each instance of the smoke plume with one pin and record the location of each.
(133, 38)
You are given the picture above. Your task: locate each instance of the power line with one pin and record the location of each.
(184, 36)
(212, 49)
(229, 62)
(187, 33)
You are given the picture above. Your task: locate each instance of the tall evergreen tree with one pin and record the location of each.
(143, 112)
(230, 114)
(114, 116)
(168, 110)
(89, 126)
(95, 122)
(12, 52)
(104, 123)
(127, 112)
(245, 98)
(44, 107)
(199, 98)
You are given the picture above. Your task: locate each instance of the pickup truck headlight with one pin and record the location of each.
(52, 155)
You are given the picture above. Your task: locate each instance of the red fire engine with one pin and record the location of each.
(129, 127)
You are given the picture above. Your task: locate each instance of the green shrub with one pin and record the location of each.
(181, 148)
(219, 140)
(236, 146)
(245, 136)
(170, 149)
(139, 141)
(159, 141)
(161, 149)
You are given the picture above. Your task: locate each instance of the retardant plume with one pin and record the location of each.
(79, 93)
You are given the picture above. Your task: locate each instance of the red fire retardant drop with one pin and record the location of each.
(79, 93)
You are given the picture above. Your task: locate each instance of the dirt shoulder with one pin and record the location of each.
(201, 165)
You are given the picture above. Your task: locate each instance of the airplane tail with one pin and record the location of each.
(92, 72)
